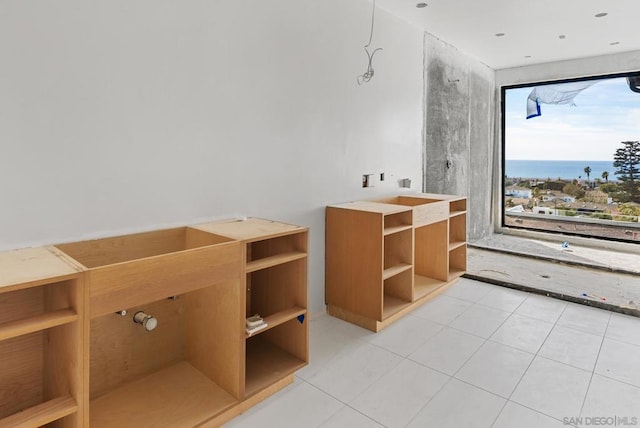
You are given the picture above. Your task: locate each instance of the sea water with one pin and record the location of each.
(553, 169)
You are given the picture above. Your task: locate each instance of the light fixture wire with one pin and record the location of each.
(368, 75)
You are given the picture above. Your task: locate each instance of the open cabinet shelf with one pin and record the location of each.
(392, 306)
(424, 286)
(41, 348)
(274, 355)
(274, 260)
(386, 257)
(179, 395)
(44, 321)
(395, 270)
(42, 414)
(280, 317)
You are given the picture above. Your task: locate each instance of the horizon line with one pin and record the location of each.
(564, 160)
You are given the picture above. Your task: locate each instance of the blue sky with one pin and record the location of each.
(604, 115)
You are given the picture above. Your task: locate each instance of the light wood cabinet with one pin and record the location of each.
(386, 257)
(71, 353)
(41, 340)
(275, 287)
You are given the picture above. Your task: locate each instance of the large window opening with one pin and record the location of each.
(571, 157)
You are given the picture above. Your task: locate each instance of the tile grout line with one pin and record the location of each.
(526, 370)
(429, 401)
(479, 347)
(343, 406)
(584, 399)
(484, 342)
(339, 401)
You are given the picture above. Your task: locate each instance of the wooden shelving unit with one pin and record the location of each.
(275, 274)
(386, 257)
(72, 356)
(41, 340)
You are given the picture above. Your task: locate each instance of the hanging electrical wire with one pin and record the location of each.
(368, 75)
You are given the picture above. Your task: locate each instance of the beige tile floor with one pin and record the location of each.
(477, 356)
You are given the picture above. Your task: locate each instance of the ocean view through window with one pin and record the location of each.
(571, 157)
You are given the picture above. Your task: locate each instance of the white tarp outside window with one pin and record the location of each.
(562, 93)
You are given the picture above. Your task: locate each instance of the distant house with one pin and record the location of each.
(519, 192)
(544, 210)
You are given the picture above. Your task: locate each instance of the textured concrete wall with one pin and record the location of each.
(459, 130)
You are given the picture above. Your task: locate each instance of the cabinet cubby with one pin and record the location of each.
(457, 206)
(275, 292)
(398, 293)
(273, 252)
(185, 371)
(417, 242)
(431, 250)
(457, 230)
(274, 354)
(41, 331)
(398, 222)
(398, 249)
(457, 261)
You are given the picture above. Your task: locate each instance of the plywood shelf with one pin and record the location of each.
(395, 270)
(279, 318)
(455, 245)
(392, 305)
(44, 321)
(455, 273)
(395, 229)
(423, 286)
(274, 260)
(42, 414)
(457, 213)
(266, 364)
(179, 395)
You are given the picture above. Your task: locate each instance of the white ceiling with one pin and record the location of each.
(532, 28)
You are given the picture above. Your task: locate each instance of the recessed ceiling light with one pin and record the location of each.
(601, 14)
(614, 43)
(562, 36)
(421, 5)
(499, 34)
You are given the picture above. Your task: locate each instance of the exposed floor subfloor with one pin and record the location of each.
(600, 278)
(479, 356)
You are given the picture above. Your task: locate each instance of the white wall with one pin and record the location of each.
(130, 115)
(583, 67)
